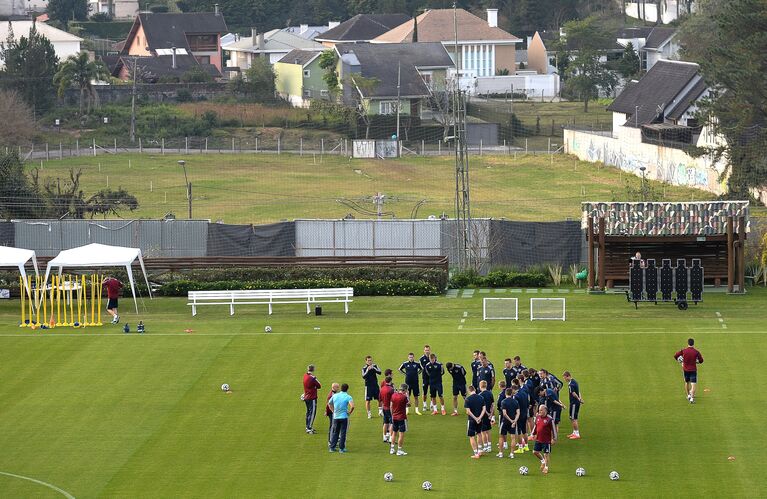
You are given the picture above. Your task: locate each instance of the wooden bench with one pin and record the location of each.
(271, 297)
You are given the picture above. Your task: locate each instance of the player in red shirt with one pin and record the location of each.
(398, 406)
(690, 358)
(113, 293)
(545, 433)
(310, 397)
(384, 398)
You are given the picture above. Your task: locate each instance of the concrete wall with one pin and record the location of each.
(531, 84)
(627, 152)
(159, 92)
(506, 58)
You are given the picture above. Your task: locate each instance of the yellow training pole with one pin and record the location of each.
(93, 299)
(85, 302)
(100, 279)
(45, 303)
(57, 296)
(30, 301)
(37, 299)
(71, 303)
(79, 300)
(51, 322)
(22, 290)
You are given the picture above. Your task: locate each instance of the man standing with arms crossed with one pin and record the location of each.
(398, 407)
(342, 406)
(545, 434)
(689, 358)
(370, 374)
(410, 368)
(475, 410)
(310, 397)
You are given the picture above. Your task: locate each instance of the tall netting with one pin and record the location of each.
(547, 309)
(500, 309)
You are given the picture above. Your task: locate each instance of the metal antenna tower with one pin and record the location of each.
(462, 200)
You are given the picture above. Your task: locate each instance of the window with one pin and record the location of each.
(388, 107)
(203, 43)
(307, 93)
(427, 79)
(323, 93)
(307, 73)
(203, 59)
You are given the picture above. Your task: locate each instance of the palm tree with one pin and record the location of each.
(80, 72)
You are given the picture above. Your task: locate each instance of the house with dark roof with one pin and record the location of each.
(272, 45)
(664, 12)
(299, 78)
(395, 76)
(483, 47)
(652, 44)
(193, 37)
(361, 28)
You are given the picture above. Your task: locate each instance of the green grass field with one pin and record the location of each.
(258, 188)
(98, 413)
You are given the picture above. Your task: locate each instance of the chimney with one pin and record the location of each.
(333, 24)
(173, 57)
(215, 9)
(260, 41)
(492, 18)
(253, 34)
(303, 29)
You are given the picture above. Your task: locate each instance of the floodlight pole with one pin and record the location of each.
(643, 169)
(182, 163)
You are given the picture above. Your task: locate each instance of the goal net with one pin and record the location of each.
(547, 309)
(500, 309)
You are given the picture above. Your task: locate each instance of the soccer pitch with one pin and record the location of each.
(98, 413)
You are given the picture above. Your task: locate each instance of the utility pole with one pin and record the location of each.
(462, 201)
(398, 94)
(378, 200)
(133, 104)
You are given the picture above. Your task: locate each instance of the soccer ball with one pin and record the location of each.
(680, 359)
(523, 470)
(388, 477)
(225, 387)
(268, 329)
(426, 485)
(614, 475)
(580, 472)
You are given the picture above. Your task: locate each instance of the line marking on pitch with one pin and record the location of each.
(721, 320)
(40, 482)
(465, 313)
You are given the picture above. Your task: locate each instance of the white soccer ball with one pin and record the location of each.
(523, 470)
(614, 475)
(426, 485)
(680, 359)
(225, 387)
(268, 329)
(388, 477)
(580, 472)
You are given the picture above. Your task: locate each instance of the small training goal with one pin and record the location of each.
(500, 309)
(547, 309)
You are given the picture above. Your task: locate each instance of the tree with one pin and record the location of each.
(260, 80)
(64, 11)
(362, 86)
(328, 62)
(18, 197)
(736, 109)
(629, 65)
(587, 76)
(107, 201)
(30, 64)
(80, 72)
(196, 75)
(17, 126)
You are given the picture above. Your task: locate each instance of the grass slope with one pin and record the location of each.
(269, 187)
(99, 413)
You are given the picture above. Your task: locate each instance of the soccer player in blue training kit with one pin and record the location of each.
(489, 419)
(550, 381)
(370, 372)
(475, 410)
(486, 372)
(458, 372)
(508, 371)
(510, 418)
(575, 404)
(435, 370)
(410, 368)
(342, 406)
(518, 367)
(423, 361)
(550, 398)
(501, 395)
(523, 400)
(475, 364)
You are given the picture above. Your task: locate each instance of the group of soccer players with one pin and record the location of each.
(528, 404)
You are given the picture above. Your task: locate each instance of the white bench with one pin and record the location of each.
(271, 297)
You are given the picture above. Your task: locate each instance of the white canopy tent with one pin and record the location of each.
(18, 257)
(100, 255)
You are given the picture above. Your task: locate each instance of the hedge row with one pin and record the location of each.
(362, 287)
(499, 279)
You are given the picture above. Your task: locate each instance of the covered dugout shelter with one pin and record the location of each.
(18, 257)
(712, 231)
(99, 256)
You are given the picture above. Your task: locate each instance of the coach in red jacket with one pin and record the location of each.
(310, 397)
(690, 358)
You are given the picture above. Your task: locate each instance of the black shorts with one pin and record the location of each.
(425, 384)
(541, 447)
(521, 426)
(387, 417)
(486, 425)
(435, 390)
(556, 414)
(112, 304)
(412, 387)
(691, 377)
(473, 428)
(506, 428)
(531, 411)
(575, 407)
(459, 390)
(399, 426)
(372, 392)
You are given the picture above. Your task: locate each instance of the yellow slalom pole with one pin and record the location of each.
(37, 300)
(93, 299)
(71, 301)
(22, 290)
(100, 278)
(85, 302)
(57, 297)
(45, 303)
(79, 301)
(51, 290)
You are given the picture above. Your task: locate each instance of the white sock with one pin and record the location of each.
(443, 407)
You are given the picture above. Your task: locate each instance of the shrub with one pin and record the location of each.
(183, 95)
(158, 9)
(362, 287)
(499, 279)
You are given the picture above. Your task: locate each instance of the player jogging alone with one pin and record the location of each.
(310, 397)
(690, 358)
(398, 408)
(545, 434)
(113, 293)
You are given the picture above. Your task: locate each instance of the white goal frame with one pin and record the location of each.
(564, 309)
(484, 309)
